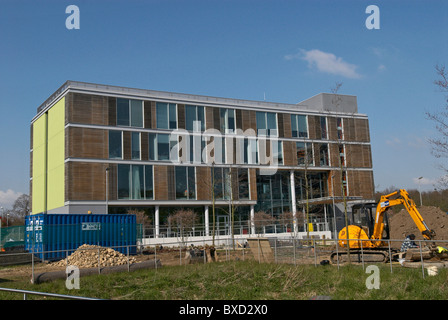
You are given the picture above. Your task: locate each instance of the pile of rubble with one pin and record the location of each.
(86, 256)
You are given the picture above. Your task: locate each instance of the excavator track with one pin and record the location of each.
(366, 255)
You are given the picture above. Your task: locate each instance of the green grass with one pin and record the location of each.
(249, 280)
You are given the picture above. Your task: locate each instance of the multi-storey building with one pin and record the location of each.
(102, 148)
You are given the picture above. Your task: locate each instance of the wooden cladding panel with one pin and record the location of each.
(361, 184)
(87, 109)
(253, 183)
(126, 145)
(287, 131)
(153, 115)
(181, 116)
(362, 130)
(359, 156)
(144, 146)
(112, 106)
(86, 143)
(164, 188)
(147, 114)
(203, 182)
(85, 181)
(289, 153)
(314, 127)
(332, 128)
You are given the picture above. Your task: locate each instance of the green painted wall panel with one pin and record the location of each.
(39, 164)
(56, 155)
(48, 159)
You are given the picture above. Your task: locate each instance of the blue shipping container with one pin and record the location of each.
(52, 236)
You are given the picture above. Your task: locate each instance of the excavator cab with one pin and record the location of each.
(363, 216)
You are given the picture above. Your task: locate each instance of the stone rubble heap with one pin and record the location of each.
(86, 256)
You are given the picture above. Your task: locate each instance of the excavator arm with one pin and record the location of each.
(385, 203)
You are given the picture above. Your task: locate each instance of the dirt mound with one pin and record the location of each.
(401, 223)
(86, 256)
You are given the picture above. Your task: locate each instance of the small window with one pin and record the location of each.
(304, 154)
(162, 146)
(194, 118)
(227, 120)
(129, 113)
(323, 155)
(135, 145)
(323, 128)
(185, 182)
(340, 129)
(166, 115)
(115, 144)
(267, 123)
(299, 126)
(135, 182)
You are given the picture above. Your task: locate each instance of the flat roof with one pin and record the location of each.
(320, 103)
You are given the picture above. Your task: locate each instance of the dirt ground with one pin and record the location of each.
(401, 223)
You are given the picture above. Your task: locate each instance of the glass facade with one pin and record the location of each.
(299, 127)
(134, 182)
(166, 115)
(185, 182)
(129, 113)
(115, 144)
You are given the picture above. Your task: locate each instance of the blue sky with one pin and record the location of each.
(285, 51)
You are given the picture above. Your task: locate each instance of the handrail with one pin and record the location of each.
(47, 294)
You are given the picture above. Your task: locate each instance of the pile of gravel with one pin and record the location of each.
(86, 256)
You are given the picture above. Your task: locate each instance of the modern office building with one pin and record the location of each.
(107, 149)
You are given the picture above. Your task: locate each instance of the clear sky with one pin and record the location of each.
(280, 50)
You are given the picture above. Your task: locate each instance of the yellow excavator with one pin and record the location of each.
(368, 241)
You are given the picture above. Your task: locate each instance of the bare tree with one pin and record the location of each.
(261, 220)
(439, 144)
(20, 209)
(183, 221)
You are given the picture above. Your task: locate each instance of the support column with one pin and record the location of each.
(252, 218)
(293, 200)
(157, 221)
(206, 221)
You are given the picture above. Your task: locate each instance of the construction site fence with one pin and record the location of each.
(261, 249)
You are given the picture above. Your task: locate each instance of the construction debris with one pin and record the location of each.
(86, 256)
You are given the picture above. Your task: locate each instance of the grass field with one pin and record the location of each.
(249, 280)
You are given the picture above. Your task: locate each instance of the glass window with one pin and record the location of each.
(340, 129)
(194, 118)
(342, 155)
(135, 145)
(279, 153)
(115, 144)
(136, 113)
(196, 146)
(163, 147)
(250, 151)
(129, 112)
(152, 146)
(134, 182)
(304, 154)
(323, 154)
(185, 182)
(149, 189)
(243, 183)
(323, 127)
(227, 120)
(123, 112)
(166, 115)
(124, 181)
(137, 182)
(299, 126)
(266, 123)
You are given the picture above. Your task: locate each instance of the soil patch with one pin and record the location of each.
(401, 223)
